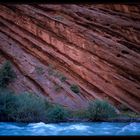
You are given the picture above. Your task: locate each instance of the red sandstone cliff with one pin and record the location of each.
(96, 47)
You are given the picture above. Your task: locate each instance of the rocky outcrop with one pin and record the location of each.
(94, 46)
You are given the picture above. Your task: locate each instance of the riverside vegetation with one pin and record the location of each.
(29, 107)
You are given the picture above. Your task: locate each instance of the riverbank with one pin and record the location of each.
(107, 120)
(113, 120)
(118, 119)
(29, 107)
(122, 119)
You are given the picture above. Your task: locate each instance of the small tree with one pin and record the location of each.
(63, 79)
(7, 75)
(29, 108)
(99, 110)
(7, 103)
(75, 88)
(57, 113)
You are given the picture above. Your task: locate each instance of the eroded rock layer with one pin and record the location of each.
(96, 47)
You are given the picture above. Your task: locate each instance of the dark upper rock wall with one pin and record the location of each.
(96, 47)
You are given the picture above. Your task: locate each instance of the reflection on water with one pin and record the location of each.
(87, 129)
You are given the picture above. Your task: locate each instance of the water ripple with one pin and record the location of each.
(92, 128)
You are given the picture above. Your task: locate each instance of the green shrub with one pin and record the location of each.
(57, 74)
(30, 108)
(80, 114)
(57, 88)
(7, 103)
(63, 79)
(7, 75)
(56, 114)
(59, 17)
(130, 114)
(24, 107)
(123, 108)
(99, 110)
(50, 70)
(75, 88)
(39, 70)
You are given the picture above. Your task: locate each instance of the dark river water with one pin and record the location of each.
(70, 129)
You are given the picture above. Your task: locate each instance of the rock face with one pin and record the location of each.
(96, 47)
